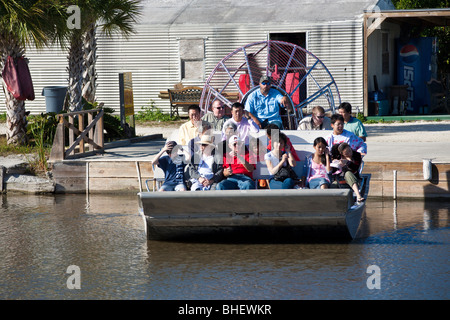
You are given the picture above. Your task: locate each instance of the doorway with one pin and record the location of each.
(299, 39)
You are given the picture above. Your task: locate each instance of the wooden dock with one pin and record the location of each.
(123, 167)
(410, 182)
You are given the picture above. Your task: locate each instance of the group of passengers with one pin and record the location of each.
(204, 161)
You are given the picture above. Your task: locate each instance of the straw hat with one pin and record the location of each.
(206, 139)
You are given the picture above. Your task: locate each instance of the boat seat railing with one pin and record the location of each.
(157, 180)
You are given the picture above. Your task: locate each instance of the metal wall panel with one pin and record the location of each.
(152, 55)
(47, 68)
(340, 47)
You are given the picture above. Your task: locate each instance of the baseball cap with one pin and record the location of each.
(233, 139)
(264, 78)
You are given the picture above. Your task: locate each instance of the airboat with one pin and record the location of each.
(263, 214)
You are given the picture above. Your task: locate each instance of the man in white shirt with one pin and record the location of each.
(244, 124)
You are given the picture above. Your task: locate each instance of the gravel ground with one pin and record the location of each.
(418, 131)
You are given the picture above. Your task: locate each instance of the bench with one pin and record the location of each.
(183, 97)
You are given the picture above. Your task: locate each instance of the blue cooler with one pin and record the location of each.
(383, 107)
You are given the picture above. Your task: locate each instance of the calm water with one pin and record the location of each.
(41, 236)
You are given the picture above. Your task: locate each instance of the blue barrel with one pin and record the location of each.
(54, 98)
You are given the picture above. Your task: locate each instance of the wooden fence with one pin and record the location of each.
(75, 137)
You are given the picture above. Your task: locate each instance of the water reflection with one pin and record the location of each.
(40, 236)
(391, 215)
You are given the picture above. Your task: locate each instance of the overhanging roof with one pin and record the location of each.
(239, 12)
(420, 17)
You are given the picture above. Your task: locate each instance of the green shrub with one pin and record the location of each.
(361, 117)
(152, 113)
(41, 132)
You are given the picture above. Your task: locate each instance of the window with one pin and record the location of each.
(192, 56)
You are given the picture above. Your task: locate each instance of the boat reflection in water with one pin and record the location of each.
(41, 236)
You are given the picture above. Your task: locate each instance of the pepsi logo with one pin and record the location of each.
(409, 53)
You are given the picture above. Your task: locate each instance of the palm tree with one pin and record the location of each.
(75, 70)
(22, 23)
(111, 16)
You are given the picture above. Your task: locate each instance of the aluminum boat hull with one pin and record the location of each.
(253, 213)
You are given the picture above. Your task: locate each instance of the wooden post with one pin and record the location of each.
(81, 128)
(2, 174)
(71, 138)
(90, 134)
(365, 71)
(57, 152)
(100, 131)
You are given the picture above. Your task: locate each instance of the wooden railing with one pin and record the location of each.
(72, 141)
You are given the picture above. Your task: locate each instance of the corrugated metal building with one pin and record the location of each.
(183, 40)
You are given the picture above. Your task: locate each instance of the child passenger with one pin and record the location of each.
(317, 166)
(340, 135)
(173, 166)
(349, 161)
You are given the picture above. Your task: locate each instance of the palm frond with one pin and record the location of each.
(26, 21)
(120, 16)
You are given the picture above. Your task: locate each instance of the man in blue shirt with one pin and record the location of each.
(263, 105)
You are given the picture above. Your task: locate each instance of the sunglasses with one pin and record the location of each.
(320, 117)
(220, 108)
(265, 83)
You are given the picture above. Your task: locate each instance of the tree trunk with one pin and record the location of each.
(75, 70)
(90, 59)
(16, 120)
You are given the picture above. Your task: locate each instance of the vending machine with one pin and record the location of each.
(416, 65)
